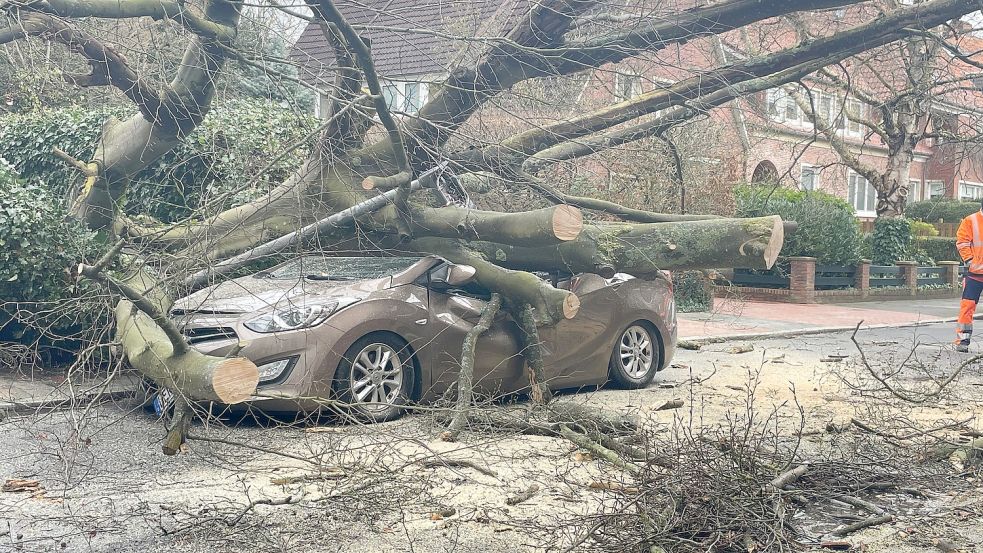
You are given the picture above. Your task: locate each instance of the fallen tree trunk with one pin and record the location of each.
(551, 303)
(541, 227)
(154, 346)
(642, 249)
(192, 374)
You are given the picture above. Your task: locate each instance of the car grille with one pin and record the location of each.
(209, 333)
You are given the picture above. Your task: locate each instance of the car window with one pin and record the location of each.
(471, 289)
(341, 268)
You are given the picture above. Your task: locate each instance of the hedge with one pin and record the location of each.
(891, 241)
(233, 143)
(944, 210)
(828, 229)
(40, 306)
(938, 248)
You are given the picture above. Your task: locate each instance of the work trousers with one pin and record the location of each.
(972, 289)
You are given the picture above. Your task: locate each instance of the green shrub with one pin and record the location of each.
(891, 241)
(921, 228)
(692, 291)
(938, 248)
(945, 210)
(39, 244)
(827, 227)
(226, 152)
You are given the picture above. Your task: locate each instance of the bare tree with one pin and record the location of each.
(898, 98)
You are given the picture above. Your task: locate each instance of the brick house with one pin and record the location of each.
(767, 135)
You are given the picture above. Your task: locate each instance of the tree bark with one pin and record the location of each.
(644, 249)
(532, 351)
(465, 381)
(551, 303)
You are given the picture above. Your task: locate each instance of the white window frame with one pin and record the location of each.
(969, 190)
(853, 127)
(401, 101)
(867, 208)
(930, 188)
(916, 190)
(634, 85)
(815, 177)
(782, 107)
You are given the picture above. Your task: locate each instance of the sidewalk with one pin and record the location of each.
(735, 319)
(21, 394)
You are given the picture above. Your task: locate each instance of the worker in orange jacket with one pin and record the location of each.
(969, 242)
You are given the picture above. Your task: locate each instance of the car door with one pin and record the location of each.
(578, 348)
(498, 366)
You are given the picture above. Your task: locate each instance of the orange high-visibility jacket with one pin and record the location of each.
(969, 242)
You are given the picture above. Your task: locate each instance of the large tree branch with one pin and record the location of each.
(108, 66)
(126, 9)
(826, 50)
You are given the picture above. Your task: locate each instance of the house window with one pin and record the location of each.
(970, 191)
(405, 97)
(857, 108)
(627, 86)
(810, 178)
(935, 189)
(390, 93)
(861, 195)
(915, 190)
(411, 91)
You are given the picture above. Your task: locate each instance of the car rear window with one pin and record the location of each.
(342, 267)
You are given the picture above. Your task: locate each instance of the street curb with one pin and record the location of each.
(30, 406)
(807, 331)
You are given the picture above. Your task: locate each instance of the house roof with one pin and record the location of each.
(408, 38)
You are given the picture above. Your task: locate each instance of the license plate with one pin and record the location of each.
(163, 401)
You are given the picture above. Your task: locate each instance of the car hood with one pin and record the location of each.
(250, 293)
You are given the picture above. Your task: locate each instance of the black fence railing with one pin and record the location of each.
(886, 275)
(833, 277)
(931, 276)
(759, 279)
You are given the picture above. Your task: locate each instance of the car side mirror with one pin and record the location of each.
(453, 275)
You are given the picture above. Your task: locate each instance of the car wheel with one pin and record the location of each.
(375, 377)
(635, 358)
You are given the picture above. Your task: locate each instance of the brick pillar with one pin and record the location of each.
(910, 275)
(950, 273)
(802, 283)
(861, 278)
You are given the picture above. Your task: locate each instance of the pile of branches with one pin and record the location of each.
(746, 488)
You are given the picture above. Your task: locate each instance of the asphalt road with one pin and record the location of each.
(105, 486)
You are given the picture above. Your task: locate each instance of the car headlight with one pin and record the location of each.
(273, 370)
(294, 317)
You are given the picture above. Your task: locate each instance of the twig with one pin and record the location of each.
(289, 500)
(671, 404)
(860, 525)
(585, 442)
(524, 495)
(440, 462)
(80, 165)
(787, 478)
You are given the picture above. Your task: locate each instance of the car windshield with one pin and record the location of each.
(341, 268)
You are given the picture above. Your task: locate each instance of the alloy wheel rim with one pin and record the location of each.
(377, 377)
(635, 351)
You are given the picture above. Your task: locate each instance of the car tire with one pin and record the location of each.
(376, 377)
(635, 357)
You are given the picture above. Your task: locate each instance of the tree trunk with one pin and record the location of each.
(644, 249)
(892, 191)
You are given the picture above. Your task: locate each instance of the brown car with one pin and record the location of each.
(378, 332)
